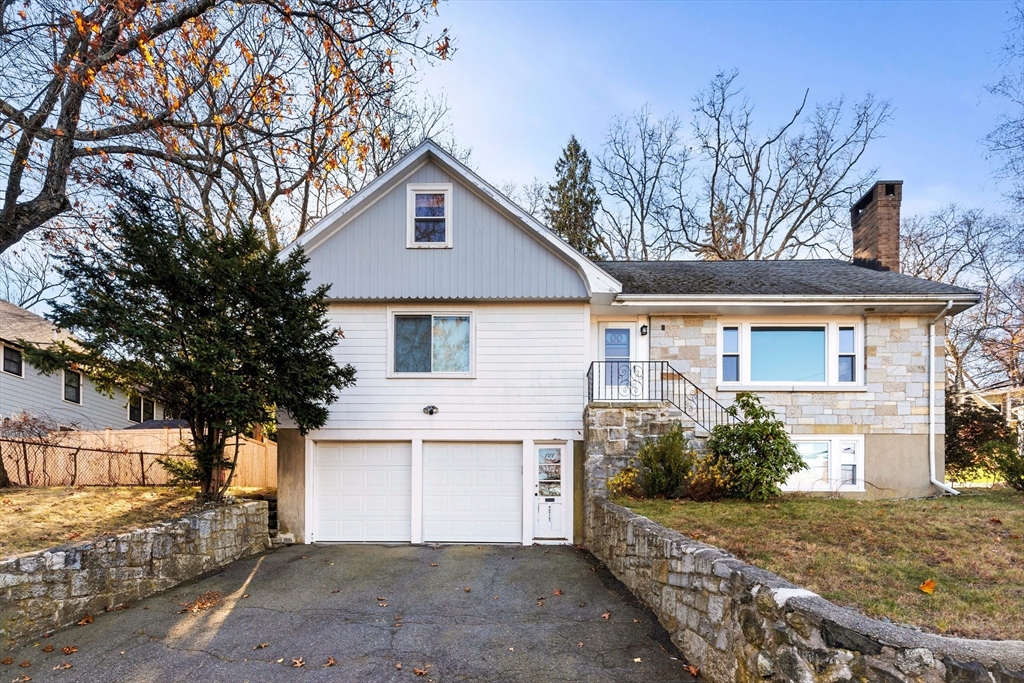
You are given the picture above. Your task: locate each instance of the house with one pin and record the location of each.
(480, 339)
(68, 398)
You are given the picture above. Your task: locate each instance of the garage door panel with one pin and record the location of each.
(472, 492)
(363, 492)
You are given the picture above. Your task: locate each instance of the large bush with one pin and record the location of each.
(977, 439)
(663, 464)
(757, 450)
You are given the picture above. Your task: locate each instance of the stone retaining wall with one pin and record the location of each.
(47, 589)
(740, 624)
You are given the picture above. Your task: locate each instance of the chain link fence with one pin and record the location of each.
(39, 463)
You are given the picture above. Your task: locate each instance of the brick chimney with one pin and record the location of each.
(876, 226)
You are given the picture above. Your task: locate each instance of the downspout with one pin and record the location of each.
(931, 403)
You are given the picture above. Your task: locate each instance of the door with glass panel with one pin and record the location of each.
(549, 520)
(620, 379)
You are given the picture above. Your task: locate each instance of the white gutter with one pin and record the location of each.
(931, 403)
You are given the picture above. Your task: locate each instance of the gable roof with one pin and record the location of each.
(819, 278)
(20, 323)
(596, 280)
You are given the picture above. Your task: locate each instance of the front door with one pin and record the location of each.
(620, 378)
(549, 521)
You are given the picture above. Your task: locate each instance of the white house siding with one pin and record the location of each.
(43, 395)
(490, 257)
(530, 375)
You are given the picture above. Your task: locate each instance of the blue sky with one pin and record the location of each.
(529, 73)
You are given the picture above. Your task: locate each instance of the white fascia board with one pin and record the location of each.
(961, 302)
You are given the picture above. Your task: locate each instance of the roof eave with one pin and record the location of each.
(960, 301)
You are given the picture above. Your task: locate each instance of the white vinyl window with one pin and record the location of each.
(835, 463)
(429, 216)
(790, 354)
(432, 344)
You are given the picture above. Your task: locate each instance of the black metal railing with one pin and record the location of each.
(655, 380)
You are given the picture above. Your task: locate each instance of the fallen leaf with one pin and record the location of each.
(48, 648)
(298, 663)
(305, 557)
(336, 590)
(511, 649)
(558, 591)
(607, 616)
(22, 679)
(540, 603)
(467, 589)
(636, 659)
(64, 665)
(203, 602)
(261, 646)
(245, 596)
(330, 662)
(583, 604)
(398, 666)
(636, 621)
(382, 604)
(581, 644)
(381, 599)
(87, 619)
(73, 536)
(995, 520)
(928, 586)
(280, 660)
(26, 664)
(433, 564)
(495, 597)
(693, 670)
(420, 672)
(70, 649)
(7, 660)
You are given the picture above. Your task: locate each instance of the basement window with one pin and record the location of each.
(834, 464)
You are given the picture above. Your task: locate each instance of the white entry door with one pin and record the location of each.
(362, 492)
(473, 492)
(549, 511)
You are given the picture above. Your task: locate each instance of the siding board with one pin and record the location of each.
(490, 258)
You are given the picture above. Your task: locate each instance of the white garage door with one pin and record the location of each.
(362, 492)
(473, 492)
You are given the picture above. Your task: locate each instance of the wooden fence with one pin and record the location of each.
(125, 457)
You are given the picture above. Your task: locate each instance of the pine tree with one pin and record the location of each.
(572, 201)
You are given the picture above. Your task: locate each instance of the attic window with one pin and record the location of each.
(429, 216)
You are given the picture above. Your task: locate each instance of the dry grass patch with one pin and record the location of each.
(874, 556)
(37, 518)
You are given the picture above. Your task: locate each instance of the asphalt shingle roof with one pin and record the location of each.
(19, 323)
(823, 277)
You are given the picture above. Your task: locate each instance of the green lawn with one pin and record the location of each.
(875, 555)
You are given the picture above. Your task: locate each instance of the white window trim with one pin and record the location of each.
(834, 462)
(412, 189)
(432, 311)
(831, 382)
(11, 374)
(81, 387)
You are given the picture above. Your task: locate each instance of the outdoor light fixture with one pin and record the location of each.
(643, 330)
(430, 410)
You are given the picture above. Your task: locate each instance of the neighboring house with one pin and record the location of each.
(479, 337)
(69, 398)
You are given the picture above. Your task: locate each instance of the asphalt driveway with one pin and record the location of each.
(457, 613)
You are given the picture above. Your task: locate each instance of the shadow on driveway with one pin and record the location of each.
(483, 613)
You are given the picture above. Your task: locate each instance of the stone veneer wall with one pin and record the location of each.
(47, 589)
(895, 399)
(738, 623)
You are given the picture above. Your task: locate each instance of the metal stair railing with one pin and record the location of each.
(657, 380)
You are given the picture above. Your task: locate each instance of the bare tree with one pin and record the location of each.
(777, 194)
(271, 94)
(28, 274)
(969, 248)
(641, 159)
(528, 196)
(1006, 140)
